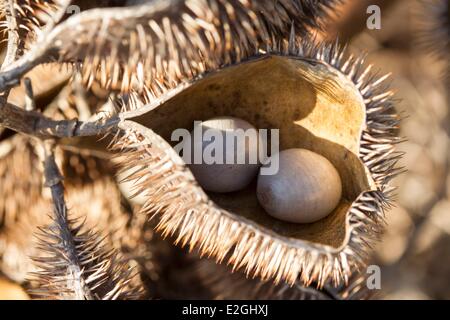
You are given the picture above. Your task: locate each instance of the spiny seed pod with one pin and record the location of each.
(320, 100)
(223, 284)
(168, 38)
(226, 176)
(33, 15)
(305, 189)
(88, 180)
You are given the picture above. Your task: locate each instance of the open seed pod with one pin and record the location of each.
(20, 180)
(319, 100)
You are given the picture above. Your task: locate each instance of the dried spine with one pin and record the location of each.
(168, 40)
(224, 285)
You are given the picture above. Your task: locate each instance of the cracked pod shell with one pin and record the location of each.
(320, 101)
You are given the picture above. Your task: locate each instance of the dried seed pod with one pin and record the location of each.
(33, 15)
(230, 174)
(305, 189)
(346, 114)
(224, 284)
(30, 16)
(189, 36)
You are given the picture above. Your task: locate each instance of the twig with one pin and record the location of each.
(53, 180)
(36, 124)
(11, 76)
(79, 265)
(30, 103)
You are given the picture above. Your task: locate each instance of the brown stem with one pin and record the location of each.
(53, 180)
(30, 103)
(36, 124)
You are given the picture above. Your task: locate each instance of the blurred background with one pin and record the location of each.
(414, 255)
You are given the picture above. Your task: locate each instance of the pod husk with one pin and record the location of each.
(222, 284)
(138, 44)
(28, 207)
(321, 100)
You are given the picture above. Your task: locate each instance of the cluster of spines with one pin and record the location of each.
(79, 265)
(30, 16)
(74, 263)
(87, 179)
(184, 209)
(223, 285)
(171, 40)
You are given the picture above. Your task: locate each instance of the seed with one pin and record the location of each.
(305, 189)
(230, 167)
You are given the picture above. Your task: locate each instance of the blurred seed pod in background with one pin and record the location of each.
(33, 15)
(128, 47)
(30, 16)
(346, 114)
(434, 26)
(21, 180)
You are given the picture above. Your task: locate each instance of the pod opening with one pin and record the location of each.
(313, 105)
